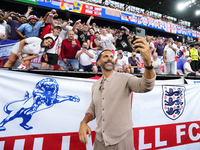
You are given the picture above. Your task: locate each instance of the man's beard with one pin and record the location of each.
(108, 68)
(32, 23)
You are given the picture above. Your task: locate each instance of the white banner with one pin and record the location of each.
(44, 113)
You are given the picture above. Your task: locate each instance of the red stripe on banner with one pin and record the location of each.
(50, 141)
(145, 138)
(163, 136)
(131, 99)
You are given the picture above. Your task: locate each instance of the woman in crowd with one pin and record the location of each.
(28, 49)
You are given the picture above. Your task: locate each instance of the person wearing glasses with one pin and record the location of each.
(85, 57)
(111, 101)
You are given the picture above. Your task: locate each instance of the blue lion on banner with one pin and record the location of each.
(44, 96)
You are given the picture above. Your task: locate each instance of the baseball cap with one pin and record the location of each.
(189, 58)
(32, 17)
(166, 40)
(118, 31)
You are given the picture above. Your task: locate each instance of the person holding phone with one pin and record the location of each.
(85, 57)
(69, 48)
(134, 63)
(121, 62)
(111, 99)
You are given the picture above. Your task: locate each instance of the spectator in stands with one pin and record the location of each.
(166, 41)
(134, 63)
(157, 64)
(49, 23)
(187, 53)
(14, 24)
(160, 47)
(199, 58)
(92, 37)
(7, 27)
(28, 49)
(130, 40)
(179, 52)
(51, 57)
(188, 70)
(66, 26)
(108, 38)
(121, 62)
(194, 57)
(2, 31)
(122, 40)
(69, 48)
(83, 35)
(85, 59)
(100, 44)
(169, 56)
(151, 45)
(31, 28)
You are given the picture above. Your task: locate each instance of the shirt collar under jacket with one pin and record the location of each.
(110, 77)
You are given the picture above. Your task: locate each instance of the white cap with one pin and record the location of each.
(189, 58)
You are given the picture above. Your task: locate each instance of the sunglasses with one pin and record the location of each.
(1, 15)
(101, 85)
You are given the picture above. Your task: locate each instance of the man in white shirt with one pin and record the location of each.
(108, 38)
(51, 57)
(85, 59)
(2, 31)
(100, 44)
(121, 62)
(169, 56)
(156, 63)
(151, 45)
(188, 70)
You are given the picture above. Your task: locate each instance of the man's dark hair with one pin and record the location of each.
(99, 57)
(191, 45)
(22, 16)
(15, 18)
(48, 37)
(58, 28)
(120, 48)
(96, 32)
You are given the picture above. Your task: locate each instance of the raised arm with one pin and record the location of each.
(63, 26)
(30, 9)
(8, 15)
(75, 26)
(89, 20)
(143, 47)
(50, 17)
(126, 29)
(45, 17)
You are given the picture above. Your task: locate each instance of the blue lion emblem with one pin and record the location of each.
(44, 96)
(172, 92)
(173, 101)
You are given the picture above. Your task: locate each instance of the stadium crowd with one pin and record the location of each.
(77, 43)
